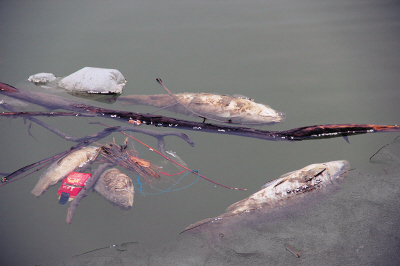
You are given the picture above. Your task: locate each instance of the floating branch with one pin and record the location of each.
(89, 184)
(334, 130)
(159, 135)
(84, 141)
(303, 133)
(296, 134)
(82, 109)
(184, 167)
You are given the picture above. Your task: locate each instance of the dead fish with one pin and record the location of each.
(287, 189)
(241, 110)
(58, 170)
(116, 187)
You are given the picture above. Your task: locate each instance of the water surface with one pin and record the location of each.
(320, 62)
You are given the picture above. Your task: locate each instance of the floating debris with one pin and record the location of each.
(62, 167)
(71, 186)
(288, 188)
(128, 159)
(116, 187)
(94, 80)
(42, 78)
(307, 179)
(221, 107)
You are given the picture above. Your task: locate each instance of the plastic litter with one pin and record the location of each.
(94, 80)
(71, 186)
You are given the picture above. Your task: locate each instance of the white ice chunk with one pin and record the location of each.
(42, 78)
(94, 80)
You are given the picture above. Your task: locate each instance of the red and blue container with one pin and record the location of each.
(71, 185)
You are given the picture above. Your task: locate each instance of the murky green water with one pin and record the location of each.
(324, 62)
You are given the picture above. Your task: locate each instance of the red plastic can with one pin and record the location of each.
(71, 185)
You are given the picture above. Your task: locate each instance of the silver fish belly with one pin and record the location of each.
(62, 167)
(288, 188)
(221, 107)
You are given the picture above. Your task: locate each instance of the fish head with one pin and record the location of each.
(269, 115)
(309, 178)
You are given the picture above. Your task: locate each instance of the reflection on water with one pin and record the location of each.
(318, 62)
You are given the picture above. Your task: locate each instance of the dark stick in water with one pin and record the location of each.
(296, 134)
(90, 183)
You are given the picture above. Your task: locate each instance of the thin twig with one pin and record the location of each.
(295, 134)
(89, 184)
(6, 179)
(184, 167)
(187, 107)
(297, 254)
(37, 169)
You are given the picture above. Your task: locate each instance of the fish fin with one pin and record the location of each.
(198, 224)
(240, 96)
(269, 183)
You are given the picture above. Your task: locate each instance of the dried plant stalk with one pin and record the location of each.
(128, 159)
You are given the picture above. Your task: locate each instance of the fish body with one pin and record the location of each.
(294, 184)
(116, 187)
(226, 108)
(289, 188)
(58, 170)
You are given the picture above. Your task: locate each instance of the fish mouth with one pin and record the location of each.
(309, 178)
(337, 169)
(273, 116)
(323, 175)
(282, 116)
